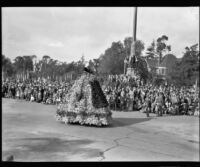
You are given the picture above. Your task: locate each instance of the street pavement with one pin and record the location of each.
(31, 133)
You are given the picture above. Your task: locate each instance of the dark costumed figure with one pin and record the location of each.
(86, 103)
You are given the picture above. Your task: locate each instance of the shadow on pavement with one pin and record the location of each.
(119, 122)
(52, 148)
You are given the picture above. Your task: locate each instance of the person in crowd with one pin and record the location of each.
(32, 98)
(17, 93)
(147, 105)
(122, 100)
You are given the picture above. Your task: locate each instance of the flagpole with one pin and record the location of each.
(134, 24)
(134, 34)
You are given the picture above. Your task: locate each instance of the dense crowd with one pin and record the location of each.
(127, 94)
(36, 91)
(122, 92)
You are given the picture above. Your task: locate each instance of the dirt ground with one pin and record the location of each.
(30, 132)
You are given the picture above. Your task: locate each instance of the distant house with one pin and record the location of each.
(152, 63)
(165, 68)
(161, 71)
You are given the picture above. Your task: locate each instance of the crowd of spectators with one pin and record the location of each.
(122, 92)
(36, 91)
(128, 94)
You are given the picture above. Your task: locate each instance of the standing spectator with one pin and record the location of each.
(131, 99)
(122, 99)
(17, 93)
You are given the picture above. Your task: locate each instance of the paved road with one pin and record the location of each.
(31, 133)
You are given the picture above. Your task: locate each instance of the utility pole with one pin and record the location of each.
(134, 24)
(134, 34)
(131, 71)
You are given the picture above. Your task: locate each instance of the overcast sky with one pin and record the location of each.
(66, 34)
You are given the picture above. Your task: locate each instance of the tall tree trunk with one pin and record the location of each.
(27, 74)
(160, 57)
(23, 75)
(2, 75)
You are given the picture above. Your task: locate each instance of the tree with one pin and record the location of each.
(19, 66)
(82, 60)
(186, 70)
(28, 63)
(46, 58)
(112, 60)
(7, 67)
(50, 67)
(44, 61)
(151, 50)
(156, 49)
(161, 46)
(139, 46)
(94, 65)
(141, 63)
(23, 65)
(80, 65)
(34, 57)
(142, 68)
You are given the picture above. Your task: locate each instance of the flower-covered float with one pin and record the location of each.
(85, 103)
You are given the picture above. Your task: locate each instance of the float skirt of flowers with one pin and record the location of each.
(85, 104)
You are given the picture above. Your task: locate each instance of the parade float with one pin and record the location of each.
(85, 104)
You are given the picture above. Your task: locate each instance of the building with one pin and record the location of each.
(165, 68)
(161, 71)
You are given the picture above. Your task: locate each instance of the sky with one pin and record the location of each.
(67, 33)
